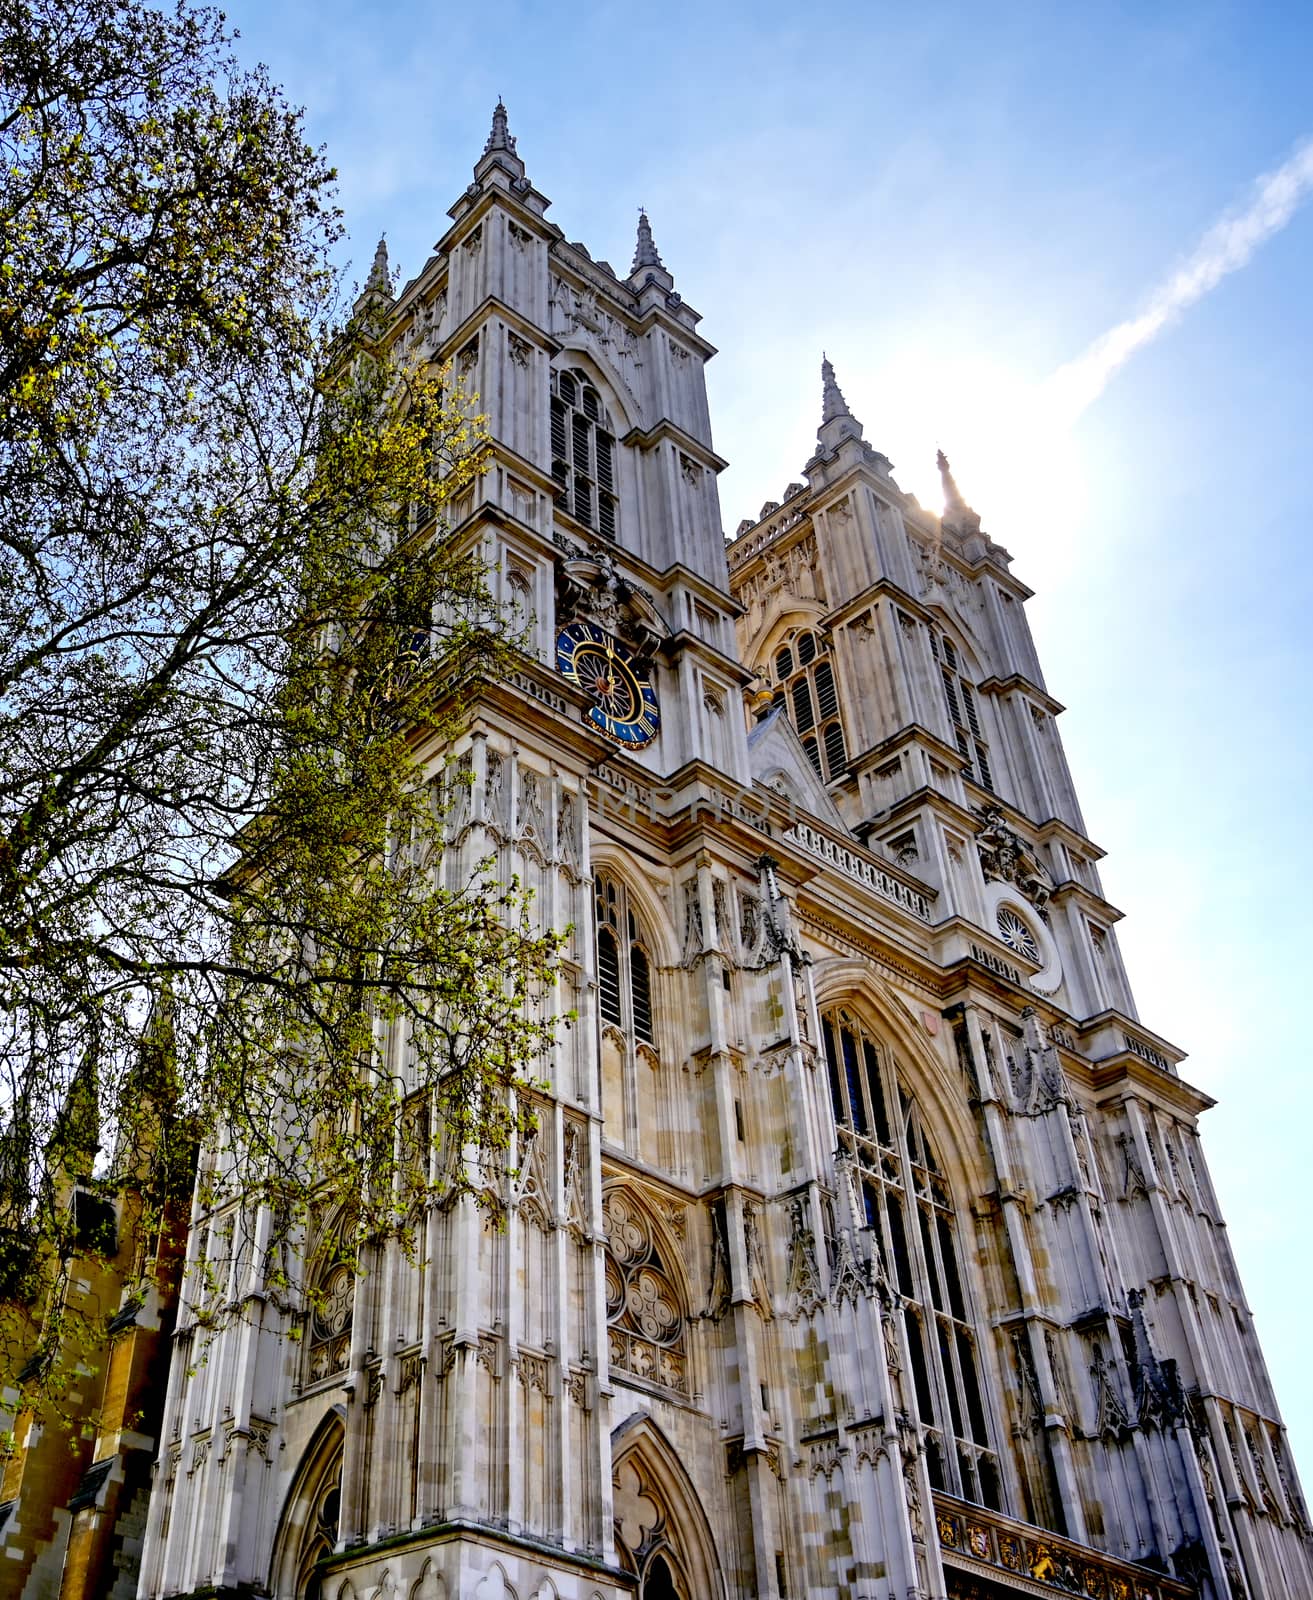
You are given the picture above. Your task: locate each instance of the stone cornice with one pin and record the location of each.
(1071, 889)
(685, 640)
(1016, 683)
(664, 428)
(491, 305)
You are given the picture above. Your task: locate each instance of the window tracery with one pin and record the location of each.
(805, 686)
(909, 1205)
(331, 1306)
(963, 713)
(1014, 932)
(645, 1321)
(624, 969)
(583, 453)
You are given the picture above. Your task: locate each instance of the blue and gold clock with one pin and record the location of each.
(624, 702)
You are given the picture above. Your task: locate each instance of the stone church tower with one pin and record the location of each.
(865, 1247)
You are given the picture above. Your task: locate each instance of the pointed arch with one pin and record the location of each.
(585, 449)
(308, 1527)
(850, 980)
(784, 613)
(958, 661)
(659, 1516)
(618, 398)
(797, 660)
(658, 930)
(911, 1168)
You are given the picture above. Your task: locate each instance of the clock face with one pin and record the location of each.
(624, 702)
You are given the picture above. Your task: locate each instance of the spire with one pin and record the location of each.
(833, 403)
(645, 251)
(957, 513)
(837, 422)
(499, 151)
(75, 1138)
(500, 138)
(378, 278)
(648, 267)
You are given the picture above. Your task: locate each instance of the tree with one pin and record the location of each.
(234, 633)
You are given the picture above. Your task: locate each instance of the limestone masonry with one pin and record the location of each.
(866, 1246)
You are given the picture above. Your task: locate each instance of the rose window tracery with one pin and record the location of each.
(646, 1324)
(1017, 936)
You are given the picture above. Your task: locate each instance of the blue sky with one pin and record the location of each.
(954, 201)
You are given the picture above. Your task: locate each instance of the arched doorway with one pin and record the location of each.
(661, 1531)
(309, 1528)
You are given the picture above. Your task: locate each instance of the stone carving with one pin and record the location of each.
(1058, 1372)
(695, 940)
(530, 1191)
(532, 814)
(867, 1444)
(794, 570)
(1055, 1563)
(1029, 1404)
(567, 832)
(1046, 1083)
(1133, 1180)
(488, 1354)
(848, 1280)
(572, 1182)
(1110, 1416)
(534, 1372)
(1005, 857)
(805, 1290)
(410, 1370)
(823, 1458)
(589, 585)
(519, 349)
(497, 800)
(1159, 1398)
(574, 311)
(758, 1278)
(750, 927)
(426, 323)
(718, 1279)
(638, 1515)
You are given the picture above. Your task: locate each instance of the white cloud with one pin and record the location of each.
(1225, 248)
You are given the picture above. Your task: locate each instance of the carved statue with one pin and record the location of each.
(1007, 858)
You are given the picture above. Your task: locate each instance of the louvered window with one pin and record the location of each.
(909, 1210)
(805, 682)
(583, 453)
(624, 971)
(963, 714)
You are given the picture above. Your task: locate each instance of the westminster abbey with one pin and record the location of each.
(865, 1247)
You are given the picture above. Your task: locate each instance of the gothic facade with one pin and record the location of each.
(865, 1246)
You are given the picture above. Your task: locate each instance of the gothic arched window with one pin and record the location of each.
(909, 1206)
(645, 1321)
(624, 971)
(583, 453)
(960, 699)
(805, 686)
